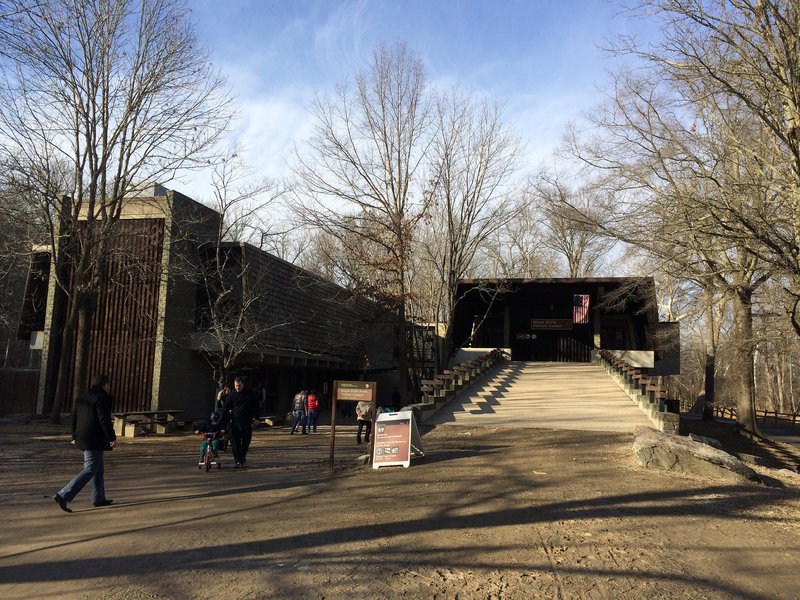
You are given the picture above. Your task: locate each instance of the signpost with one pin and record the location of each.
(352, 391)
(395, 439)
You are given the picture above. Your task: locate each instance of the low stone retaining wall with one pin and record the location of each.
(645, 391)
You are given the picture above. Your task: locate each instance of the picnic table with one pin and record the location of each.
(137, 422)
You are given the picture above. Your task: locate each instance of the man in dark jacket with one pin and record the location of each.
(241, 408)
(92, 432)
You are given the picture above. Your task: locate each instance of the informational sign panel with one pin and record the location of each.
(352, 391)
(396, 440)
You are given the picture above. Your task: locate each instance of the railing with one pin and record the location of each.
(645, 390)
(445, 385)
(765, 416)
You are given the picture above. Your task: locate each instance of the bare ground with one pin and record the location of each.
(488, 514)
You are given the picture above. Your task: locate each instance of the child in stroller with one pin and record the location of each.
(212, 432)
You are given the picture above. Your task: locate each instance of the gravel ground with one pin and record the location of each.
(489, 513)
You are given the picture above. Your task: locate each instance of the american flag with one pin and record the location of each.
(580, 308)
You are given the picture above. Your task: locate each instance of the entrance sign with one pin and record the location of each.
(352, 391)
(552, 324)
(396, 439)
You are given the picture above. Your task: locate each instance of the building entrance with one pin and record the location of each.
(551, 346)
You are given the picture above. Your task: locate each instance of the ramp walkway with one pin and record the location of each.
(576, 396)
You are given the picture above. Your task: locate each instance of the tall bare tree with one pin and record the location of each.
(669, 165)
(473, 162)
(233, 315)
(735, 63)
(563, 211)
(361, 176)
(518, 249)
(742, 53)
(95, 98)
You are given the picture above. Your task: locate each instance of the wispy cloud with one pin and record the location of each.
(540, 58)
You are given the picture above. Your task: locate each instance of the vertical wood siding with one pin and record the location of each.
(122, 336)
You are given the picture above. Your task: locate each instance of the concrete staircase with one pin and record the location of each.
(578, 396)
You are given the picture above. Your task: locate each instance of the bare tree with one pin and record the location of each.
(669, 165)
(96, 98)
(233, 317)
(473, 161)
(568, 232)
(518, 249)
(361, 176)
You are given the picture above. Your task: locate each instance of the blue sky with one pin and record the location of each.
(540, 57)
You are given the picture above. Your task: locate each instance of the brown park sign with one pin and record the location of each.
(553, 324)
(351, 391)
(354, 391)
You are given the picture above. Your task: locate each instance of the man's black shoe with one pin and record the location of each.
(105, 502)
(61, 503)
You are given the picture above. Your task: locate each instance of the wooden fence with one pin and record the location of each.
(765, 416)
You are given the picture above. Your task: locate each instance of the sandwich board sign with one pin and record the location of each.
(396, 440)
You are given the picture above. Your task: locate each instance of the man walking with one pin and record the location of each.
(300, 411)
(92, 432)
(241, 407)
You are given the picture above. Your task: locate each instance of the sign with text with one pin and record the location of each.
(396, 440)
(351, 391)
(354, 391)
(553, 324)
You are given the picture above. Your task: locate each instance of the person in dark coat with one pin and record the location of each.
(241, 409)
(92, 432)
(212, 425)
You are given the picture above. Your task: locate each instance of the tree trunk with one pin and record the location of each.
(64, 363)
(402, 344)
(711, 360)
(81, 347)
(708, 390)
(743, 360)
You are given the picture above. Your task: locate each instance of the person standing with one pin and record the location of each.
(222, 395)
(313, 410)
(241, 408)
(92, 432)
(299, 409)
(364, 416)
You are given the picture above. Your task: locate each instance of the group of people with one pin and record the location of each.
(305, 411)
(93, 432)
(305, 415)
(236, 411)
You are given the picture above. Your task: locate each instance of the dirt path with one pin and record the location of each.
(490, 513)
